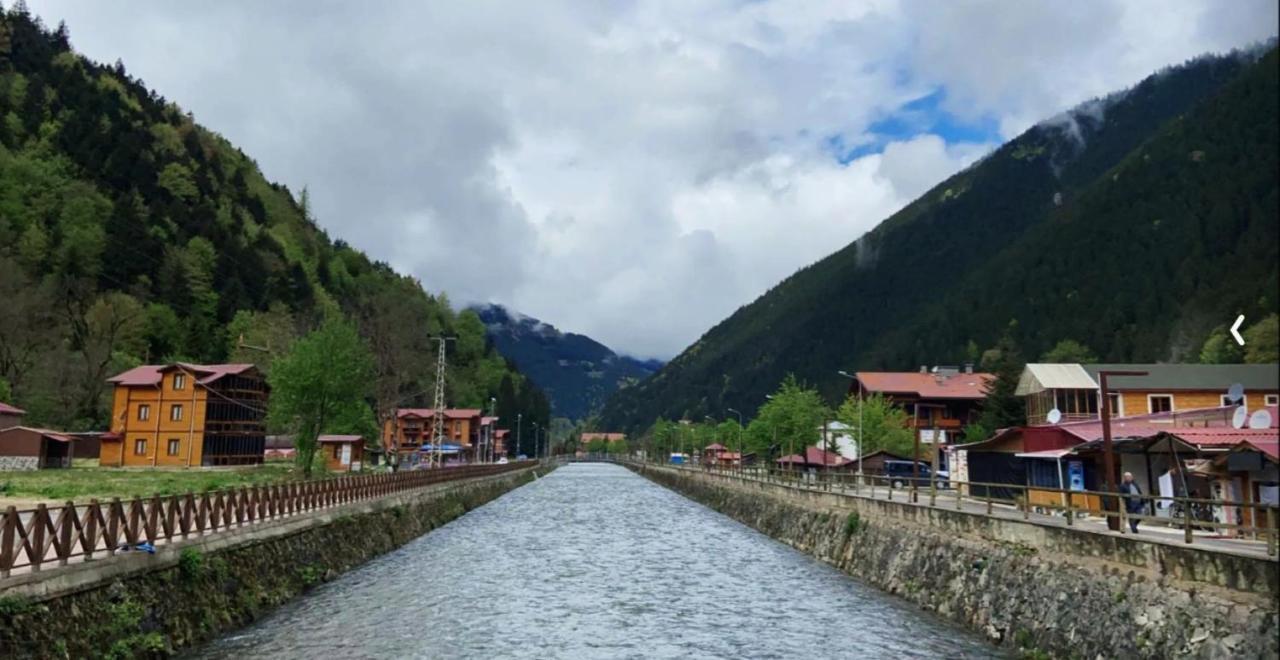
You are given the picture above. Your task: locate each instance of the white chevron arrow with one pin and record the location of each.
(1235, 330)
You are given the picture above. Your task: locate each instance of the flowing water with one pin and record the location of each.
(593, 561)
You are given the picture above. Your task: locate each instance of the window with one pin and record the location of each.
(1158, 403)
(174, 446)
(337, 451)
(144, 412)
(175, 412)
(140, 447)
(1271, 399)
(179, 381)
(1226, 401)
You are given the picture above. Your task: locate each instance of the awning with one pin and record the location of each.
(1050, 454)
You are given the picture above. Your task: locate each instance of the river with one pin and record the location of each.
(593, 561)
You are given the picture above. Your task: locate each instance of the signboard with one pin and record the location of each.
(926, 435)
(1075, 475)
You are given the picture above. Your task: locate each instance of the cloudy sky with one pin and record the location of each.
(634, 171)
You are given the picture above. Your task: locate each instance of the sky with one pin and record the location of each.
(632, 171)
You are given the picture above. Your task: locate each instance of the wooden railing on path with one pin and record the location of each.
(1259, 522)
(33, 538)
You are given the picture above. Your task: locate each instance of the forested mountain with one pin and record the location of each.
(1134, 224)
(577, 372)
(131, 234)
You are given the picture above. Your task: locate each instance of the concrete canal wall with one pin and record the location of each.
(141, 605)
(1040, 590)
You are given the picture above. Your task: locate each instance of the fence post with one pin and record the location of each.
(7, 553)
(89, 540)
(65, 521)
(1272, 531)
(36, 532)
(1186, 522)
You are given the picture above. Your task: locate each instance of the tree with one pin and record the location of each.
(1002, 408)
(1262, 341)
(1069, 351)
(879, 423)
(793, 415)
(1220, 348)
(321, 386)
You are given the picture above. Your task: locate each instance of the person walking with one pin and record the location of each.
(1132, 501)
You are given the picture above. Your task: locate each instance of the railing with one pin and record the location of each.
(33, 538)
(1256, 521)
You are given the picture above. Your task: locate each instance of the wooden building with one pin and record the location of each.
(10, 415)
(187, 415)
(1074, 389)
(24, 448)
(342, 453)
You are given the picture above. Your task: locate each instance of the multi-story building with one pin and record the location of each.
(411, 431)
(944, 398)
(186, 415)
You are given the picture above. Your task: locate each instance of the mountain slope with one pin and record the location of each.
(1133, 224)
(130, 233)
(577, 372)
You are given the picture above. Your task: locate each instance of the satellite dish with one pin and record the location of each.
(1055, 416)
(1260, 419)
(1240, 417)
(1235, 393)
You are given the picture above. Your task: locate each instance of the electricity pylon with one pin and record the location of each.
(437, 406)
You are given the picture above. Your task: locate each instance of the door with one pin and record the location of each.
(346, 455)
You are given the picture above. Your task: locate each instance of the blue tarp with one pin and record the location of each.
(445, 448)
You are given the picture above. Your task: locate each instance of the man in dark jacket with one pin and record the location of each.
(1132, 501)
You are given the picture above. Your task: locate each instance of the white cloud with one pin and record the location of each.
(631, 171)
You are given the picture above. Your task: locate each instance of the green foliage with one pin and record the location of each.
(1002, 408)
(191, 564)
(880, 423)
(1220, 348)
(1262, 341)
(852, 524)
(1149, 247)
(1069, 351)
(108, 189)
(789, 420)
(322, 386)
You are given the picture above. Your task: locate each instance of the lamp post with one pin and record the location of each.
(742, 454)
(493, 408)
(519, 424)
(536, 446)
(855, 379)
(1108, 455)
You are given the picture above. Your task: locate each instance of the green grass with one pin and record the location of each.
(83, 483)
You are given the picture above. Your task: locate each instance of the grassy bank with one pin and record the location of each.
(83, 483)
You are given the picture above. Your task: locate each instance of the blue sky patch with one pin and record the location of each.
(923, 115)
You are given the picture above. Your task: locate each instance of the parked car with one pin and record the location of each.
(899, 473)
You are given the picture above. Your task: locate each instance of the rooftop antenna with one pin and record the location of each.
(1054, 416)
(1240, 417)
(437, 435)
(1235, 393)
(1260, 419)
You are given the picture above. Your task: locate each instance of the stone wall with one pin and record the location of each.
(9, 463)
(141, 605)
(1042, 591)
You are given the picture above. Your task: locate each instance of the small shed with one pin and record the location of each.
(24, 448)
(342, 453)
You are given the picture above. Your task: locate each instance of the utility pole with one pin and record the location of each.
(1108, 455)
(438, 436)
(860, 397)
(519, 425)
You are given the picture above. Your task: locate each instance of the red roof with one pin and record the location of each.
(428, 413)
(715, 446)
(607, 437)
(501, 433)
(149, 374)
(340, 438)
(1270, 447)
(485, 421)
(52, 435)
(1227, 436)
(815, 456)
(6, 409)
(926, 385)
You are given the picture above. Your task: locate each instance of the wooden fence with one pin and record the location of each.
(32, 538)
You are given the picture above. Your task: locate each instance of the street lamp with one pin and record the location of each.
(742, 454)
(855, 379)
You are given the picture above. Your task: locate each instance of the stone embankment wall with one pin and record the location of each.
(141, 605)
(1038, 590)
